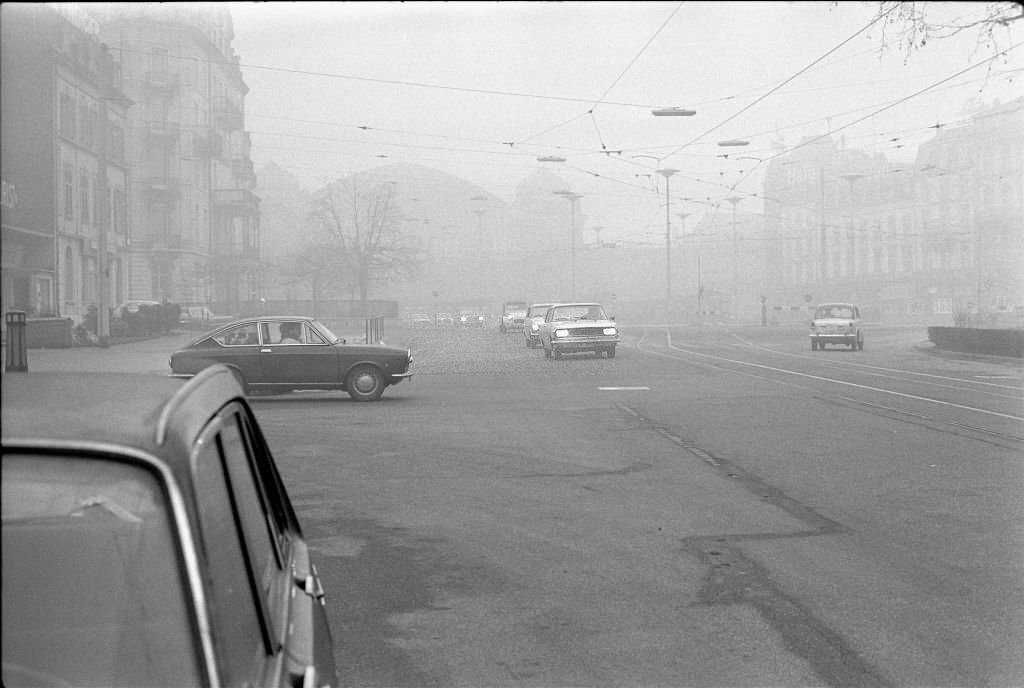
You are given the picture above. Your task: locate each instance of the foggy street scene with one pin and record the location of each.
(513, 344)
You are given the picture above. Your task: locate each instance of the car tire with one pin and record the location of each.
(814, 345)
(860, 343)
(555, 353)
(610, 352)
(365, 383)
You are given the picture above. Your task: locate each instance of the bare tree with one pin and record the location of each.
(359, 229)
(910, 26)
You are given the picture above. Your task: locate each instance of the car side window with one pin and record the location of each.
(285, 332)
(243, 335)
(312, 336)
(260, 530)
(241, 630)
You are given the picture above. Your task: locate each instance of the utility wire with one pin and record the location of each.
(805, 69)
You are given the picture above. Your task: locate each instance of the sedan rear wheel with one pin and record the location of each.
(365, 383)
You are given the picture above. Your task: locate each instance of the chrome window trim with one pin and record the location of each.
(186, 542)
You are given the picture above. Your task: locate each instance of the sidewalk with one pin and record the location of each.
(147, 356)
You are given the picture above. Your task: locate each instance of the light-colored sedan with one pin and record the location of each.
(578, 327)
(531, 324)
(837, 323)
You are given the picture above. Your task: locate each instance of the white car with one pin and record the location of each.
(837, 323)
(578, 327)
(531, 323)
(513, 314)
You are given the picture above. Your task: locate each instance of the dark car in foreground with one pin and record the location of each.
(287, 353)
(578, 327)
(148, 539)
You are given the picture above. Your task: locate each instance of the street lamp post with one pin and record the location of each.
(682, 234)
(572, 198)
(851, 261)
(667, 172)
(735, 257)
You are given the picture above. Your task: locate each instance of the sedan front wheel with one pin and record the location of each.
(365, 383)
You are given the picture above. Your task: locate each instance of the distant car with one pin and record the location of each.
(445, 320)
(148, 539)
(513, 316)
(420, 320)
(201, 317)
(837, 323)
(578, 327)
(531, 323)
(471, 318)
(132, 307)
(288, 353)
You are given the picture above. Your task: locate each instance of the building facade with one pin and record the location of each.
(65, 173)
(195, 238)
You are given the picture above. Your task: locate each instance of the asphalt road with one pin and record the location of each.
(712, 507)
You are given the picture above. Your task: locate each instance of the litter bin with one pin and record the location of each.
(17, 352)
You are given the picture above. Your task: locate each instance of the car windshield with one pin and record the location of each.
(536, 311)
(92, 591)
(581, 312)
(834, 312)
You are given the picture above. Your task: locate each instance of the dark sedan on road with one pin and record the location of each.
(287, 353)
(148, 539)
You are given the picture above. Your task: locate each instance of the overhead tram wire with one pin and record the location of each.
(786, 81)
(886, 107)
(601, 99)
(395, 82)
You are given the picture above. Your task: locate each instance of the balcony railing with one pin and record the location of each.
(228, 113)
(236, 201)
(161, 189)
(243, 168)
(171, 242)
(162, 81)
(207, 143)
(162, 133)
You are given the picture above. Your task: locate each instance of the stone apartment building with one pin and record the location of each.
(932, 240)
(64, 165)
(196, 231)
(126, 163)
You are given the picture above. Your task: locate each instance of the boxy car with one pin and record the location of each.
(837, 323)
(148, 539)
(578, 327)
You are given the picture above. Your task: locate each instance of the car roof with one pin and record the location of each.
(836, 303)
(159, 415)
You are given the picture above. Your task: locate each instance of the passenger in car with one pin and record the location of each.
(291, 333)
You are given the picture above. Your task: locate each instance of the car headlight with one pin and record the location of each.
(535, 327)
(610, 330)
(561, 333)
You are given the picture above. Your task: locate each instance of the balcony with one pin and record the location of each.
(207, 143)
(243, 169)
(228, 113)
(162, 133)
(153, 242)
(162, 81)
(160, 189)
(236, 202)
